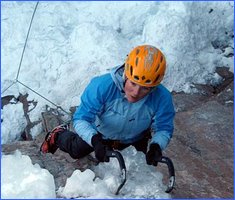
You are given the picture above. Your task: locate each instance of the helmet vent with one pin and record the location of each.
(156, 79)
(143, 77)
(136, 61)
(161, 59)
(148, 81)
(136, 78)
(131, 70)
(157, 67)
(137, 51)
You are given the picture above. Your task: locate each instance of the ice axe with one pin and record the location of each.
(118, 156)
(166, 160)
(171, 171)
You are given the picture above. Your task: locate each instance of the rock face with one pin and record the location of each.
(201, 148)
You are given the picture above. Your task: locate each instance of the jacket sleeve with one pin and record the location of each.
(163, 121)
(85, 114)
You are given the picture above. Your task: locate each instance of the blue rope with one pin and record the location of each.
(22, 55)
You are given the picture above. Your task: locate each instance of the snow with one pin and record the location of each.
(71, 42)
(21, 179)
(13, 127)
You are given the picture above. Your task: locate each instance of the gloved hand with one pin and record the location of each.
(99, 148)
(154, 154)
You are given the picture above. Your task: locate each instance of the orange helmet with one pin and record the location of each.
(145, 65)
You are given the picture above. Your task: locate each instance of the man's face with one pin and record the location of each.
(135, 92)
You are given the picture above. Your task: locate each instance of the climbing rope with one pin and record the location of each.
(58, 107)
(21, 59)
(26, 40)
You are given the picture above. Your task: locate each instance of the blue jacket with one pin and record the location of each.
(104, 108)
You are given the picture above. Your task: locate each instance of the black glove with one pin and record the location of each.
(154, 154)
(99, 148)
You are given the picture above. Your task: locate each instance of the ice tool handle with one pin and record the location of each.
(122, 165)
(171, 171)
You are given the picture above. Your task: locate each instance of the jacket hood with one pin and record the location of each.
(117, 76)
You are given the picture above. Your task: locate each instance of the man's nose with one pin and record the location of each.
(136, 90)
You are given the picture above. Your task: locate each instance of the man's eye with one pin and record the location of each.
(134, 84)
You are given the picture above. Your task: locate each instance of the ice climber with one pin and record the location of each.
(127, 106)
